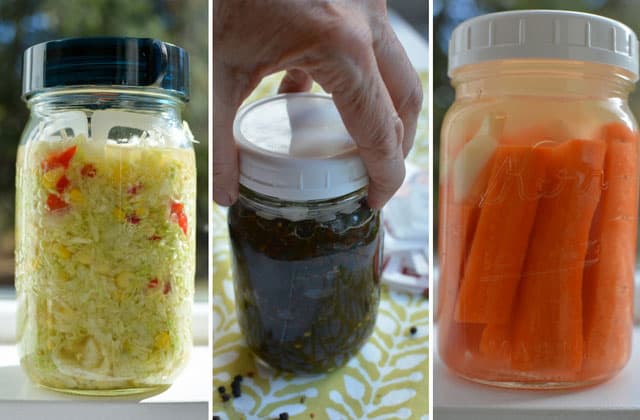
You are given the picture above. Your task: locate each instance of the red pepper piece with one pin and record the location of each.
(133, 219)
(182, 222)
(55, 160)
(134, 189)
(153, 283)
(54, 203)
(177, 209)
(88, 170)
(62, 184)
(155, 238)
(167, 288)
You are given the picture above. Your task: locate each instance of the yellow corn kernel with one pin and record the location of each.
(51, 177)
(83, 257)
(142, 212)
(123, 280)
(162, 340)
(118, 213)
(63, 276)
(76, 196)
(61, 251)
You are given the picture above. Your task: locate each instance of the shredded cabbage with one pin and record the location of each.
(105, 262)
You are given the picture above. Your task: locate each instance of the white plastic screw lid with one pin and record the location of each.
(295, 147)
(554, 34)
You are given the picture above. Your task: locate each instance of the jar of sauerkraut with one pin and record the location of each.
(538, 200)
(105, 216)
(306, 246)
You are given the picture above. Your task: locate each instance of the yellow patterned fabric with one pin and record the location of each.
(388, 379)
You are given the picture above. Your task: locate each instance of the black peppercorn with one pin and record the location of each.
(236, 392)
(413, 330)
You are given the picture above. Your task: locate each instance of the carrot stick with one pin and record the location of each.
(460, 193)
(547, 323)
(460, 196)
(458, 344)
(495, 342)
(500, 243)
(460, 220)
(608, 282)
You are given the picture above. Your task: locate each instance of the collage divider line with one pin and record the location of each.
(209, 207)
(431, 208)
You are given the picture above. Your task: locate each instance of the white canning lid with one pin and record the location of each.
(554, 34)
(295, 147)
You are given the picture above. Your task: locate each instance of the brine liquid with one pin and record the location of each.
(307, 292)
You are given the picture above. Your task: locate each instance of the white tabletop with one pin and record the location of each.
(186, 399)
(617, 399)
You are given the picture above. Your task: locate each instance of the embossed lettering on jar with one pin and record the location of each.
(538, 200)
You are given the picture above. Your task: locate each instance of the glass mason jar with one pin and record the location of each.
(105, 216)
(306, 246)
(538, 200)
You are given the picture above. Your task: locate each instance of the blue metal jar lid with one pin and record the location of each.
(106, 61)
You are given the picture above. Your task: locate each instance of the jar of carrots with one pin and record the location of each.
(538, 200)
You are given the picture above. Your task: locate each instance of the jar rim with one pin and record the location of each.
(530, 66)
(58, 91)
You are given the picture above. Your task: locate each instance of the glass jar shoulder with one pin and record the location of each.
(131, 128)
(304, 231)
(527, 121)
(120, 115)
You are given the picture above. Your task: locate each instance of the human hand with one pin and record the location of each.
(348, 47)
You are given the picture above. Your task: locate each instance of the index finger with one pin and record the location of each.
(401, 80)
(350, 73)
